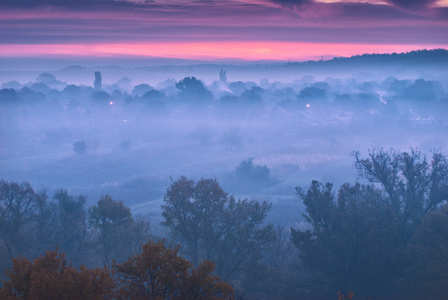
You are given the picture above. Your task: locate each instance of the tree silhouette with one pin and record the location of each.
(71, 229)
(98, 81)
(210, 225)
(193, 91)
(247, 171)
(20, 212)
(414, 185)
(355, 241)
(112, 219)
(80, 147)
(427, 276)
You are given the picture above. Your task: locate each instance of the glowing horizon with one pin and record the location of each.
(249, 51)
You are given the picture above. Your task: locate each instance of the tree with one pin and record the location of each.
(237, 87)
(253, 96)
(313, 93)
(45, 77)
(276, 275)
(193, 91)
(154, 100)
(80, 147)
(247, 171)
(43, 234)
(211, 225)
(414, 186)
(427, 274)
(141, 89)
(50, 81)
(29, 97)
(223, 76)
(20, 209)
(98, 81)
(71, 223)
(160, 272)
(8, 96)
(119, 235)
(27, 220)
(50, 277)
(100, 97)
(354, 241)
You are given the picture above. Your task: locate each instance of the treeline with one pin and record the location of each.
(384, 240)
(380, 97)
(415, 58)
(31, 225)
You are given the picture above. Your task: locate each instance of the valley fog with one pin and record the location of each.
(260, 130)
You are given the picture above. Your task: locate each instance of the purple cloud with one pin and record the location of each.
(412, 4)
(272, 20)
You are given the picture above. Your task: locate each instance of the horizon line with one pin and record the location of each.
(218, 52)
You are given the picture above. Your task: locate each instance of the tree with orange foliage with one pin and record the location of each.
(160, 272)
(50, 277)
(348, 296)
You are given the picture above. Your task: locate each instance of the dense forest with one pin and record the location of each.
(228, 186)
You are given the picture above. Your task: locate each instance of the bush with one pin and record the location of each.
(80, 147)
(248, 171)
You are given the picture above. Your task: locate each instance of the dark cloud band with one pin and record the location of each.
(61, 3)
(292, 3)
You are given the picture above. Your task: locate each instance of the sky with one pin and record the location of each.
(215, 30)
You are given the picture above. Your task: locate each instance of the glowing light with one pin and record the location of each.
(307, 105)
(111, 103)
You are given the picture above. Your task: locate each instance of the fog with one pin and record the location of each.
(260, 129)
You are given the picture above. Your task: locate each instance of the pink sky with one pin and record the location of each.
(210, 30)
(209, 50)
